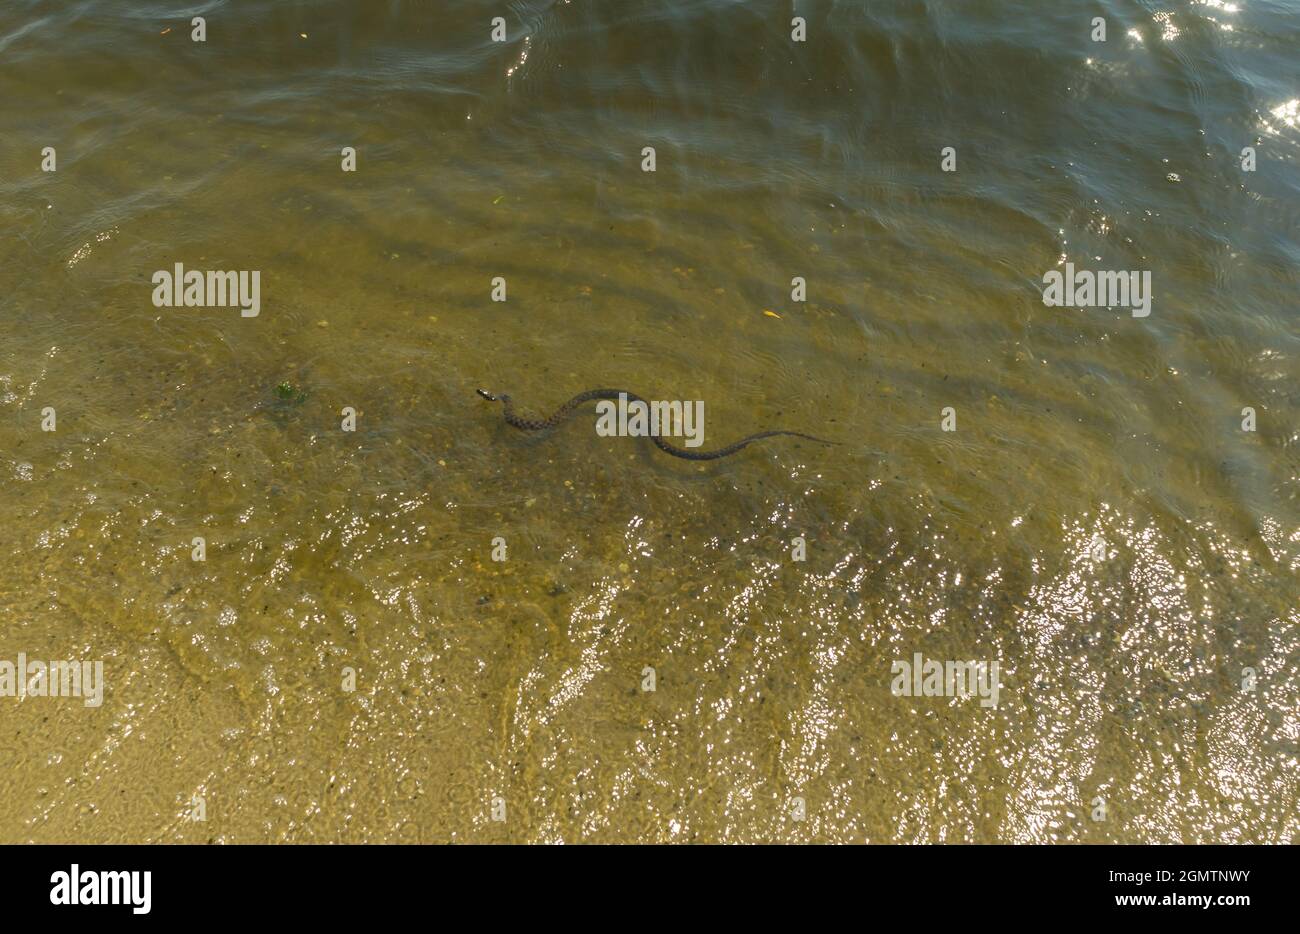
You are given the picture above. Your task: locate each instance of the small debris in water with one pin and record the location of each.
(288, 392)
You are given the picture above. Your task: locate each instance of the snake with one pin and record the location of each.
(515, 420)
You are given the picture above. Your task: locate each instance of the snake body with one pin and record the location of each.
(515, 420)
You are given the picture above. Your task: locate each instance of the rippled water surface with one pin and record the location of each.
(1099, 523)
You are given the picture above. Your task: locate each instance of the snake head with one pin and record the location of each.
(486, 395)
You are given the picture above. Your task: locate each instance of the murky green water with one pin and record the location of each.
(1098, 524)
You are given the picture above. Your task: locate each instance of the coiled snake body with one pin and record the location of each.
(516, 420)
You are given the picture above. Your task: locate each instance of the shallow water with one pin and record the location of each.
(1098, 524)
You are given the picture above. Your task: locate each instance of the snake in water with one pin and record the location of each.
(516, 420)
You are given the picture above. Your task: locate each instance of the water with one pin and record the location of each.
(1098, 524)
